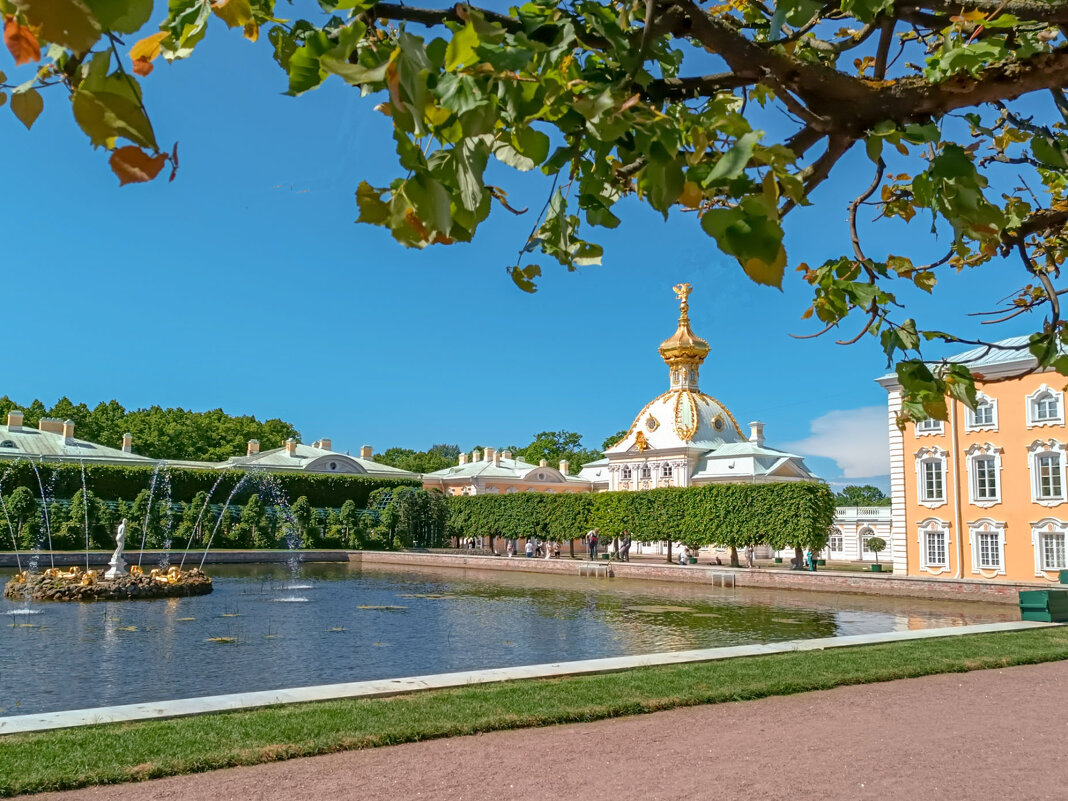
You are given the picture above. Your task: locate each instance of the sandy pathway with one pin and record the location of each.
(989, 734)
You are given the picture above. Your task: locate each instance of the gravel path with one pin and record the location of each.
(987, 734)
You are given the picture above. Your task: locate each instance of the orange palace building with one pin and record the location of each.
(984, 495)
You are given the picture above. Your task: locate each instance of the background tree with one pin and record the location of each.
(612, 440)
(23, 513)
(552, 446)
(437, 457)
(867, 495)
(304, 516)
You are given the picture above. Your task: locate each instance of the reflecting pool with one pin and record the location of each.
(272, 626)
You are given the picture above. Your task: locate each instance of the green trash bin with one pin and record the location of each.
(1063, 577)
(1047, 606)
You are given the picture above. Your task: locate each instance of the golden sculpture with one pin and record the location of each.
(89, 578)
(682, 292)
(135, 570)
(20, 577)
(683, 348)
(640, 442)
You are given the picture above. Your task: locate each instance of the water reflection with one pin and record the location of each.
(267, 627)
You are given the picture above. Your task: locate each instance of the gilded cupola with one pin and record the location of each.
(684, 351)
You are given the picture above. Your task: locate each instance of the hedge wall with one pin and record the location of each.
(783, 515)
(115, 482)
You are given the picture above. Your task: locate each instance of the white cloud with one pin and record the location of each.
(858, 440)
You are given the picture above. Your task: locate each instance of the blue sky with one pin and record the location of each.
(245, 284)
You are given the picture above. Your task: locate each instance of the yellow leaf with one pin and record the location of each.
(27, 106)
(148, 48)
(768, 274)
(235, 13)
(691, 196)
(252, 31)
(435, 114)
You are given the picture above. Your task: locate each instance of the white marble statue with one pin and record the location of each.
(117, 563)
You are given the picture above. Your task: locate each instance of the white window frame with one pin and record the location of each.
(1047, 526)
(937, 427)
(1035, 450)
(836, 533)
(931, 455)
(626, 473)
(865, 533)
(986, 527)
(973, 455)
(970, 423)
(934, 525)
(666, 470)
(645, 473)
(1032, 399)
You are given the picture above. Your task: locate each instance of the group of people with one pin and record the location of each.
(618, 547)
(535, 549)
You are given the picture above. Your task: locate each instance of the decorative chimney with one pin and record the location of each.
(506, 454)
(366, 452)
(50, 424)
(127, 442)
(496, 459)
(476, 455)
(463, 459)
(543, 463)
(326, 444)
(291, 446)
(564, 466)
(490, 453)
(756, 432)
(68, 431)
(14, 420)
(253, 447)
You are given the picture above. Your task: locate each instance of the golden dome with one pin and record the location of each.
(684, 347)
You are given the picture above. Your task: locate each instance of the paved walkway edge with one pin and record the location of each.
(386, 687)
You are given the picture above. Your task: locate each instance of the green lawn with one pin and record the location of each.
(72, 758)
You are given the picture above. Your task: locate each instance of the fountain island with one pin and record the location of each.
(116, 584)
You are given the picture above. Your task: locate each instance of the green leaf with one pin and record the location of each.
(66, 22)
(372, 209)
(524, 277)
(431, 202)
(469, 158)
(121, 16)
(461, 49)
(27, 106)
(458, 93)
(662, 183)
(732, 163)
(354, 74)
(109, 106)
(1048, 151)
(748, 234)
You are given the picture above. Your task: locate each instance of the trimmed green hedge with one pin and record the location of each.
(117, 482)
(783, 515)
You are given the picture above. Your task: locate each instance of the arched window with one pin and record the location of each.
(8, 444)
(984, 471)
(836, 541)
(928, 427)
(1045, 407)
(626, 473)
(665, 471)
(1046, 460)
(865, 534)
(985, 416)
(646, 473)
(931, 476)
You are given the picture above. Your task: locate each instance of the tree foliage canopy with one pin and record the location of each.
(161, 433)
(856, 495)
(958, 105)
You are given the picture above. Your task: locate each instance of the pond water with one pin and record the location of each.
(272, 626)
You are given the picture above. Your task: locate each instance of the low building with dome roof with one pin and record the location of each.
(684, 437)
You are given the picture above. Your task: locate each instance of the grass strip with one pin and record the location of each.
(112, 753)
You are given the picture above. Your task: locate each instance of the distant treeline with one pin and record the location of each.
(211, 436)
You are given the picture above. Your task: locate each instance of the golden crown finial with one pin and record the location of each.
(682, 292)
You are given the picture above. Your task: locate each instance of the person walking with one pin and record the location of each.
(591, 543)
(750, 554)
(529, 549)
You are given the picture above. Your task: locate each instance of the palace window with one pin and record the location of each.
(1048, 537)
(626, 474)
(935, 550)
(933, 539)
(665, 471)
(930, 474)
(985, 416)
(646, 473)
(836, 542)
(8, 444)
(928, 426)
(865, 535)
(1047, 472)
(1045, 407)
(984, 469)
(987, 545)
